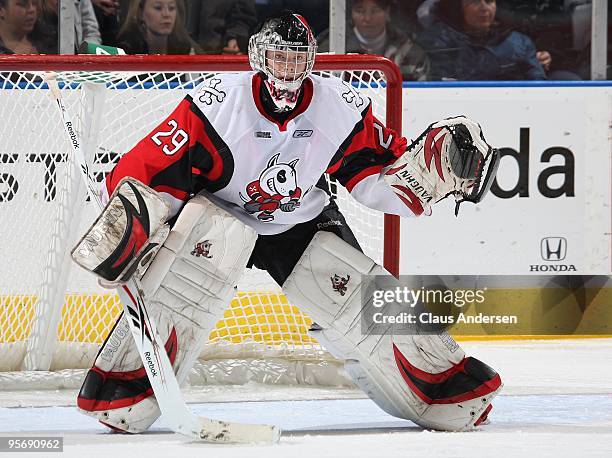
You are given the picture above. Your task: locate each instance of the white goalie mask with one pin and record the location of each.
(284, 50)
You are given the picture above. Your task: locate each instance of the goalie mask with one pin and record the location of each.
(284, 51)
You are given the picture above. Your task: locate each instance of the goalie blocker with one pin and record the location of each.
(451, 157)
(131, 226)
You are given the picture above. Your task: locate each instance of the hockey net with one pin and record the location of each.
(53, 315)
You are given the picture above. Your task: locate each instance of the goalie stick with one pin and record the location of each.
(175, 412)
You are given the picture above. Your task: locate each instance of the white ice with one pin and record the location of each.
(557, 402)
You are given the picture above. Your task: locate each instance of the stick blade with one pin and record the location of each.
(223, 432)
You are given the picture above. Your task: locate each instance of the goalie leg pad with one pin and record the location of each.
(187, 287)
(116, 390)
(424, 378)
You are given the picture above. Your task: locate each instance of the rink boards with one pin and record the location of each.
(553, 187)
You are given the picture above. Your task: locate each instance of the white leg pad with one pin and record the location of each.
(193, 277)
(375, 362)
(187, 287)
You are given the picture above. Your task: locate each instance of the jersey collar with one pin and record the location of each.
(299, 109)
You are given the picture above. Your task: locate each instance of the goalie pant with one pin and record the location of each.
(433, 379)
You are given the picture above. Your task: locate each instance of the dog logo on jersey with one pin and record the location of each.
(202, 249)
(352, 96)
(276, 189)
(210, 90)
(339, 283)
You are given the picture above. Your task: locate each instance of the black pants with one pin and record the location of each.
(279, 253)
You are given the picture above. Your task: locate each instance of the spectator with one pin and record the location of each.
(85, 23)
(404, 14)
(465, 43)
(155, 27)
(17, 20)
(539, 20)
(107, 14)
(549, 24)
(221, 26)
(371, 32)
(46, 31)
(424, 13)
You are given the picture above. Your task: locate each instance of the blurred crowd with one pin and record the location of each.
(428, 39)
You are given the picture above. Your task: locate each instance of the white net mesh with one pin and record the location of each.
(38, 204)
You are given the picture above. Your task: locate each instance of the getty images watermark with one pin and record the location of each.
(427, 304)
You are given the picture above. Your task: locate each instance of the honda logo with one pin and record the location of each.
(553, 248)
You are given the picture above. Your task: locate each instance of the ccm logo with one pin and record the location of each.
(302, 133)
(553, 248)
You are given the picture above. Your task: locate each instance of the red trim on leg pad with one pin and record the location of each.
(114, 428)
(484, 416)
(110, 390)
(466, 380)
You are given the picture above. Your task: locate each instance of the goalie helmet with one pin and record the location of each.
(284, 51)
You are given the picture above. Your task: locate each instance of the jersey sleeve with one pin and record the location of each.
(358, 163)
(180, 157)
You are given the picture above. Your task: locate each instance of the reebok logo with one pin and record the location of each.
(331, 222)
(72, 134)
(150, 364)
(302, 133)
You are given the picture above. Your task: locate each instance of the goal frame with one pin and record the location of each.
(40, 350)
(212, 63)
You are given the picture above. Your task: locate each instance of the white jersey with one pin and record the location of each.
(221, 140)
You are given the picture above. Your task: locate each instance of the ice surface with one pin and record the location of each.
(557, 402)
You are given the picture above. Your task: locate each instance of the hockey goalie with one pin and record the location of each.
(234, 177)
